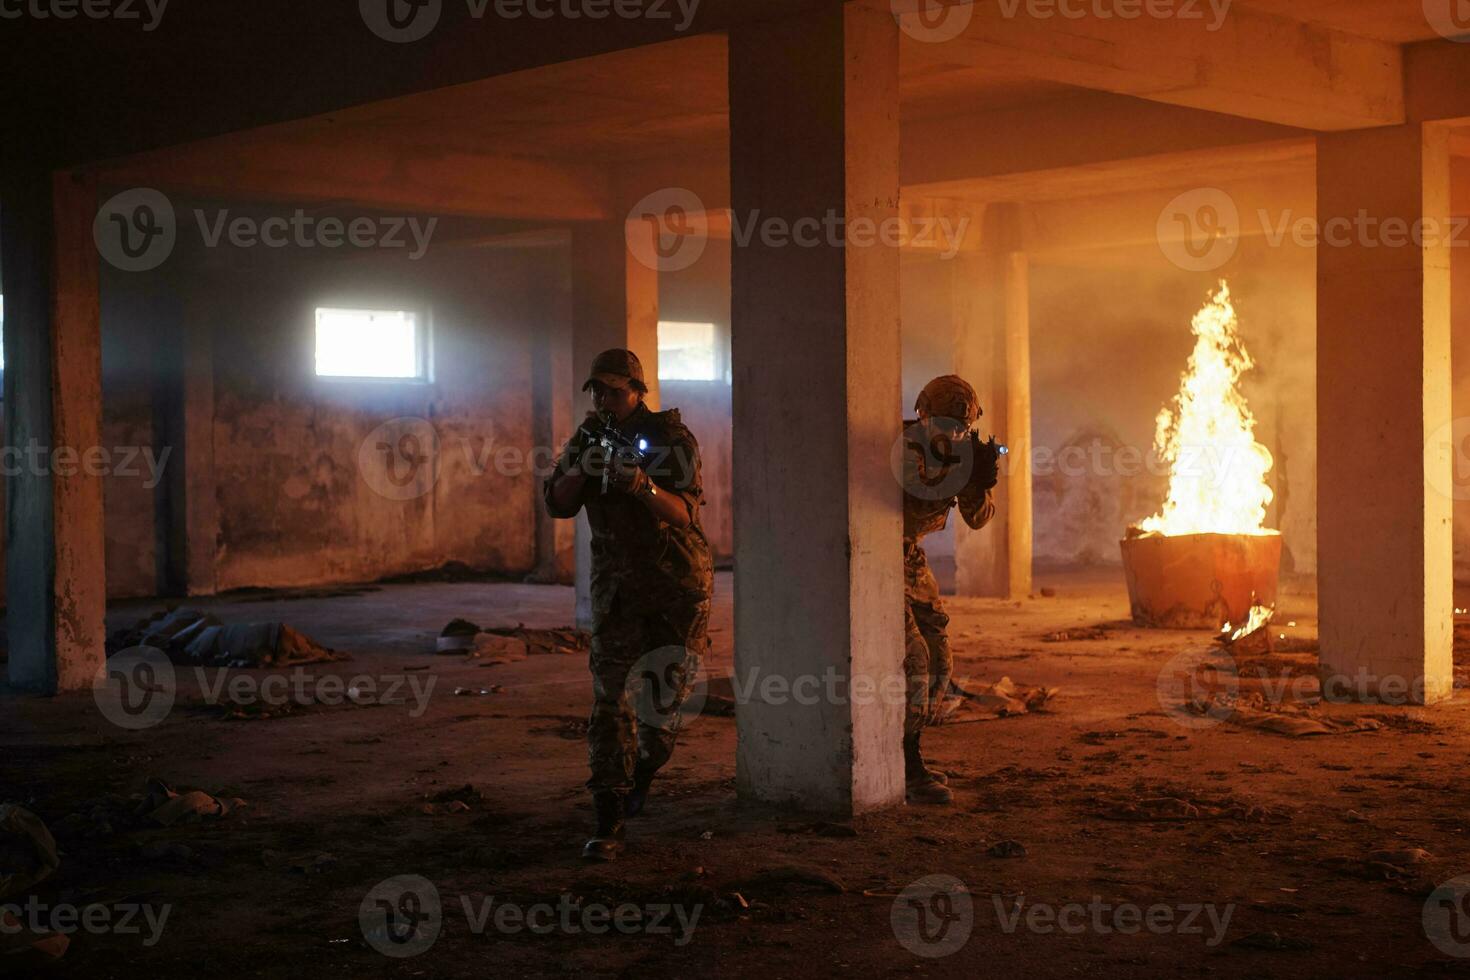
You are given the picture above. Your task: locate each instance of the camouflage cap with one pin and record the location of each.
(616, 368)
(949, 397)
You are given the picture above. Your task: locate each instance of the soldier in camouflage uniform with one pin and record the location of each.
(936, 478)
(652, 580)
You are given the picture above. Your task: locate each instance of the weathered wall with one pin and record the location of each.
(1460, 357)
(298, 472)
(297, 502)
(701, 294)
(1109, 344)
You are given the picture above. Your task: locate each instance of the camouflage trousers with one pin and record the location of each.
(637, 723)
(928, 663)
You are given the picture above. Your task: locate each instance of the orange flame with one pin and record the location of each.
(1217, 470)
(1259, 616)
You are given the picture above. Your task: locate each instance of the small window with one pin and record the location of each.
(686, 351)
(384, 344)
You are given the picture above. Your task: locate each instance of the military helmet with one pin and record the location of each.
(617, 368)
(949, 397)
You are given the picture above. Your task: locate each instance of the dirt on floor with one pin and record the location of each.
(1120, 831)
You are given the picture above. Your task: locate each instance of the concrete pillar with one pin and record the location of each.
(553, 400)
(1383, 414)
(55, 572)
(817, 410)
(614, 304)
(992, 320)
(186, 507)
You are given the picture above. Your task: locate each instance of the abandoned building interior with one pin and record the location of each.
(298, 308)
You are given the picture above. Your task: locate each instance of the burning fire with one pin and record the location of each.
(1259, 616)
(1217, 470)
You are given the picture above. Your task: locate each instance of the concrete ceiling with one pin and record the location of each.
(629, 105)
(1399, 21)
(666, 102)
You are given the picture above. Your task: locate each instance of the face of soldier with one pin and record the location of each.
(618, 403)
(940, 429)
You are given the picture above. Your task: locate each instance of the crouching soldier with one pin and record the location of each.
(651, 581)
(943, 466)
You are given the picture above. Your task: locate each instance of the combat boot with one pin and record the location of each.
(608, 841)
(638, 795)
(920, 782)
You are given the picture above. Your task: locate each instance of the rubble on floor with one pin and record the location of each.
(189, 636)
(28, 856)
(508, 644)
(28, 852)
(1003, 699)
(158, 805)
(1293, 721)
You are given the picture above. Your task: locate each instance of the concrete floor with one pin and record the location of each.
(1274, 831)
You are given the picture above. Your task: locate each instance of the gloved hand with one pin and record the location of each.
(630, 480)
(986, 472)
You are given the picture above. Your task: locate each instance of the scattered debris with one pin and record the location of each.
(1402, 858)
(509, 644)
(28, 853)
(1158, 809)
(1253, 711)
(1076, 633)
(466, 794)
(1006, 849)
(789, 875)
(310, 864)
(1002, 699)
(159, 805)
(1271, 940)
(820, 829)
(163, 806)
(189, 636)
